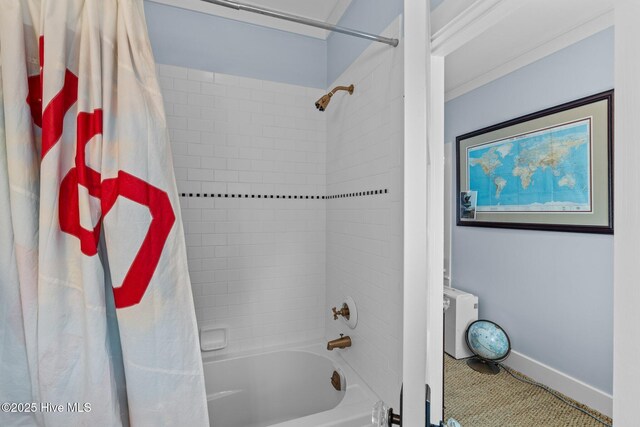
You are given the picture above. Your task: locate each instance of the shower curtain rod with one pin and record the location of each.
(303, 20)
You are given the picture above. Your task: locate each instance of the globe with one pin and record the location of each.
(490, 343)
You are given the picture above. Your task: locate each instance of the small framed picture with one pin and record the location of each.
(468, 200)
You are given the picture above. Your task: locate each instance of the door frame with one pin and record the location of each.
(424, 76)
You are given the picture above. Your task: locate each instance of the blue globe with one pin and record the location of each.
(488, 340)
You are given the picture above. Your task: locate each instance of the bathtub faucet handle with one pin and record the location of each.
(344, 312)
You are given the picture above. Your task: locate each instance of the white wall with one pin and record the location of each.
(364, 233)
(551, 291)
(257, 265)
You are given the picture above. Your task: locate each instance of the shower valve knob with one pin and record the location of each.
(344, 312)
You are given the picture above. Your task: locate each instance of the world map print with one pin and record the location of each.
(548, 170)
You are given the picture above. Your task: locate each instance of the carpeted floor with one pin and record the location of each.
(479, 400)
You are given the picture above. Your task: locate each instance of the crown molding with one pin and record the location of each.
(548, 47)
(478, 17)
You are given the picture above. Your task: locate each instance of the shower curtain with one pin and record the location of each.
(97, 326)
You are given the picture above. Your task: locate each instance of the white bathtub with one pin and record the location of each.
(286, 388)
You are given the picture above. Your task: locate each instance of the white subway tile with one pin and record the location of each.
(165, 82)
(174, 97)
(179, 148)
(200, 175)
(189, 86)
(213, 163)
(214, 187)
(214, 214)
(226, 176)
(250, 129)
(239, 164)
(172, 71)
(200, 150)
(250, 153)
(186, 161)
(200, 75)
(227, 152)
(273, 132)
(250, 106)
(186, 111)
(215, 114)
(251, 177)
(248, 82)
(177, 123)
(239, 117)
(261, 142)
(213, 138)
(283, 88)
(200, 125)
(213, 89)
(226, 103)
(264, 96)
(262, 119)
(181, 174)
(201, 100)
(239, 188)
(236, 92)
(180, 135)
(185, 186)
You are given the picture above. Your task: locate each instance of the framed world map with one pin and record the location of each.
(550, 170)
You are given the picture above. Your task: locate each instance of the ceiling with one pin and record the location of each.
(510, 34)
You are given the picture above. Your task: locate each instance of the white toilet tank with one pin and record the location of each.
(463, 309)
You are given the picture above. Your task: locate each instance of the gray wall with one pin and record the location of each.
(552, 292)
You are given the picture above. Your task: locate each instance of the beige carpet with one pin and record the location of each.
(479, 400)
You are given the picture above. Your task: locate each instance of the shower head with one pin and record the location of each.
(321, 104)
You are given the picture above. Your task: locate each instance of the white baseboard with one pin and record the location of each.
(574, 388)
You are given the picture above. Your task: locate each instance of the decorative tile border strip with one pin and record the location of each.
(282, 196)
(358, 194)
(249, 196)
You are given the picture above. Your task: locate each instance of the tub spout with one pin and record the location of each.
(341, 342)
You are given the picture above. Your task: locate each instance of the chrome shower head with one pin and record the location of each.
(321, 104)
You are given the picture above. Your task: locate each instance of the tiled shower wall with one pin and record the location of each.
(364, 233)
(249, 159)
(268, 254)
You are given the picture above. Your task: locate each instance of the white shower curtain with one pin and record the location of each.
(96, 312)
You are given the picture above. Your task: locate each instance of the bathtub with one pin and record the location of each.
(288, 387)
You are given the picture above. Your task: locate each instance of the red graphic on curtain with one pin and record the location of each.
(88, 125)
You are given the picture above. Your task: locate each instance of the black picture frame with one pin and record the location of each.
(595, 113)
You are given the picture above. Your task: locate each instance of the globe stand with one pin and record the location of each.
(483, 366)
(490, 345)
